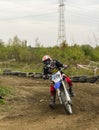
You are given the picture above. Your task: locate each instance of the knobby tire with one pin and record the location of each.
(67, 105)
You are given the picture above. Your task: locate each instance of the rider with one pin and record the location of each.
(50, 66)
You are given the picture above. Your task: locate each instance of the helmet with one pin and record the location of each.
(46, 59)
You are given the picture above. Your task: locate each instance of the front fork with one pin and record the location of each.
(58, 93)
(68, 99)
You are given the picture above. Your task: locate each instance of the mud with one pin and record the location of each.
(27, 108)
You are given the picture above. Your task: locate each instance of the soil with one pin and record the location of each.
(27, 108)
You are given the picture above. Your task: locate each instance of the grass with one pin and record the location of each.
(4, 91)
(38, 67)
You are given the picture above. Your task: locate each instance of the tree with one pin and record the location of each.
(64, 44)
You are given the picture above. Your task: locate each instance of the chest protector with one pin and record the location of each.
(53, 67)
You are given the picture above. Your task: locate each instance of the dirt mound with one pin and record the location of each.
(28, 108)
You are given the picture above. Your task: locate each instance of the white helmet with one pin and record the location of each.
(46, 59)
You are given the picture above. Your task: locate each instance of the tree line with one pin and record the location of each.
(18, 49)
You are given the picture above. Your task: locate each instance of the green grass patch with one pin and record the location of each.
(2, 101)
(4, 91)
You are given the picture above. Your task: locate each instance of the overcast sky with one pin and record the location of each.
(31, 19)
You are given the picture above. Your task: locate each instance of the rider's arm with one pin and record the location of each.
(60, 65)
(46, 70)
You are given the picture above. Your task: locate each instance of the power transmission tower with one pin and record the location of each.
(61, 30)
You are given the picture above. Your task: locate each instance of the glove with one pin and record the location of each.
(44, 76)
(65, 66)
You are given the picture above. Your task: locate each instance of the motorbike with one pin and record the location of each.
(61, 87)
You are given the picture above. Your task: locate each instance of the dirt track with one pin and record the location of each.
(27, 108)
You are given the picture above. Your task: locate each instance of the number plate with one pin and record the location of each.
(56, 77)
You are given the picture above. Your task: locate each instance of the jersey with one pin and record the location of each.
(53, 67)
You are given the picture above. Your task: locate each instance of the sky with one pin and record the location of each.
(39, 19)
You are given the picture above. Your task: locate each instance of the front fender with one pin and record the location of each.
(57, 85)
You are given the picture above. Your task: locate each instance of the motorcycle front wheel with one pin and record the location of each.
(66, 104)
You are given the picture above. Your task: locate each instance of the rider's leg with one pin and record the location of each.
(72, 94)
(70, 86)
(53, 96)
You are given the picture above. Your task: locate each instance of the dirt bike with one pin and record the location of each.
(61, 87)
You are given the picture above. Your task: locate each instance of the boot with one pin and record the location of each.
(72, 94)
(52, 102)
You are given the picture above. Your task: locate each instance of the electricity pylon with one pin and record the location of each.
(61, 30)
